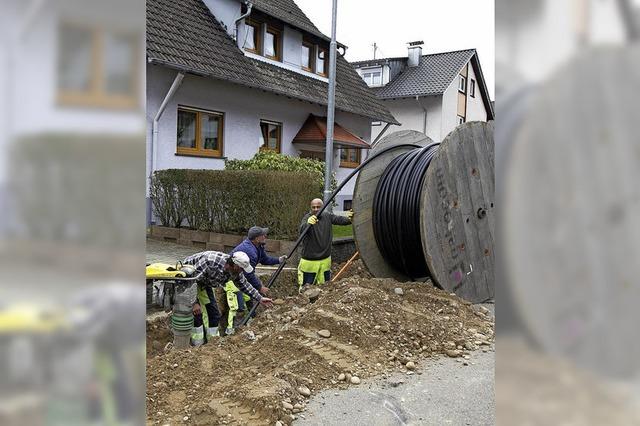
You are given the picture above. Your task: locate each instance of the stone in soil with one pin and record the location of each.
(312, 294)
(355, 380)
(341, 377)
(287, 406)
(398, 291)
(411, 365)
(324, 333)
(304, 391)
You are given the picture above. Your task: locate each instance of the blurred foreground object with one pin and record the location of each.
(567, 167)
(72, 202)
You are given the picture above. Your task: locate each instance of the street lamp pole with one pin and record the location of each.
(328, 164)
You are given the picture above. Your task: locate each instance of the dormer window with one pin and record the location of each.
(252, 37)
(307, 56)
(372, 76)
(321, 62)
(272, 44)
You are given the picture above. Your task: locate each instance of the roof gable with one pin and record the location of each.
(184, 35)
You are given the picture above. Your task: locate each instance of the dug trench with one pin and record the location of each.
(267, 371)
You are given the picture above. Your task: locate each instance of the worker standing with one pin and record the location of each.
(315, 259)
(217, 270)
(254, 247)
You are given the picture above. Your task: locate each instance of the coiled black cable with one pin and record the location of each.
(396, 211)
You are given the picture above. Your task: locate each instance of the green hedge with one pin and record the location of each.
(269, 160)
(231, 201)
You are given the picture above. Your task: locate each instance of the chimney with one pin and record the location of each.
(415, 52)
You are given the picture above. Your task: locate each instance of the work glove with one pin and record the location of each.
(312, 220)
(350, 214)
(282, 258)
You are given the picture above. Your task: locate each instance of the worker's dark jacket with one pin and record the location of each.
(256, 255)
(317, 244)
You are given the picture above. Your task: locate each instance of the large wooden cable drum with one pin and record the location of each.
(456, 210)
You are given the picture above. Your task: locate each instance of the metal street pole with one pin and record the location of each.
(328, 163)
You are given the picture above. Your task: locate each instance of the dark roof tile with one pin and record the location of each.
(184, 35)
(432, 76)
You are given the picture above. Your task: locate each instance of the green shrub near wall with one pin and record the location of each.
(231, 201)
(269, 160)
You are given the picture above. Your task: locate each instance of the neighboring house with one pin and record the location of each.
(227, 78)
(429, 93)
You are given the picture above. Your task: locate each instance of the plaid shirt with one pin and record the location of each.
(211, 264)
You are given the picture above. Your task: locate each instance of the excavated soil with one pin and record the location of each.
(254, 377)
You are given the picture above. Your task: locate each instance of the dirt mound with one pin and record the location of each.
(357, 268)
(264, 372)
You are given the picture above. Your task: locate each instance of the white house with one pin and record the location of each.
(227, 78)
(429, 93)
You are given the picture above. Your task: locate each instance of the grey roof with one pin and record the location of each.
(289, 12)
(184, 35)
(432, 76)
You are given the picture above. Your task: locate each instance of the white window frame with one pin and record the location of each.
(370, 73)
(461, 119)
(462, 84)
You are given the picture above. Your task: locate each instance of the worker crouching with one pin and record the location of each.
(217, 269)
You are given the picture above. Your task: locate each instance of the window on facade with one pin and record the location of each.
(252, 37)
(376, 123)
(349, 157)
(462, 84)
(460, 119)
(270, 135)
(199, 132)
(347, 204)
(321, 62)
(472, 88)
(307, 56)
(272, 44)
(97, 67)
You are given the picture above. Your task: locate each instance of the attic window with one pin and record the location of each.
(272, 44)
(307, 56)
(462, 84)
(321, 63)
(472, 88)
(252, 37)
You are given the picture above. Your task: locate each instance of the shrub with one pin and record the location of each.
(231, 201)
(269, 160)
